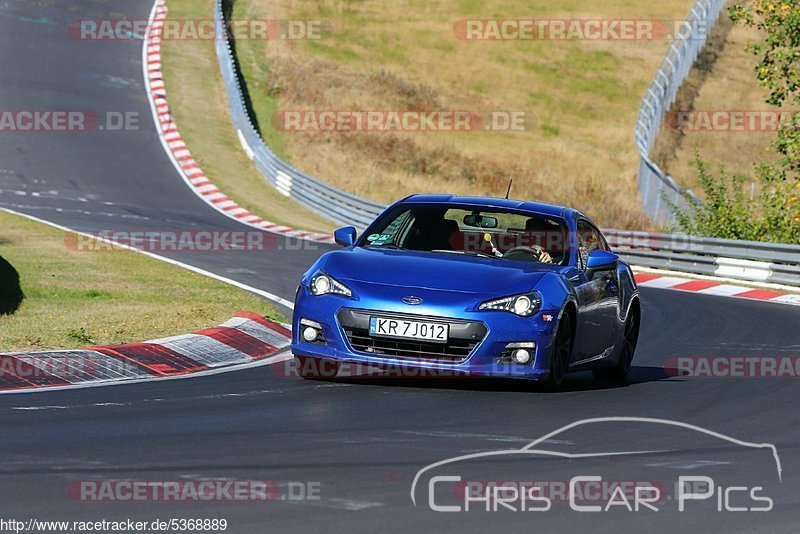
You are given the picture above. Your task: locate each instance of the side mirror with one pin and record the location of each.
(600, 260)
(345, 236)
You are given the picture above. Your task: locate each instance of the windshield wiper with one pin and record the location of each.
(482, 254)
(384, 246)
(467, 253)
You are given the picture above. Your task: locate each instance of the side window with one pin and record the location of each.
(393, 232)
(589, 239)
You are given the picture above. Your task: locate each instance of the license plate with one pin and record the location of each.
(400, 328)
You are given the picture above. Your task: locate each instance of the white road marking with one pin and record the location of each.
(32, 408)
(689, 464)
(351, 505)
(487, 437)
(259, 292)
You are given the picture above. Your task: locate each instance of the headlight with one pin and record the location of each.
(522, 305)
(322, 283)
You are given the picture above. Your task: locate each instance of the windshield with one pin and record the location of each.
(493, 233)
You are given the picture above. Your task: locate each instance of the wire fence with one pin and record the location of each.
(656, 189)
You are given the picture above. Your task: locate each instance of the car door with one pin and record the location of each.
(597, 296)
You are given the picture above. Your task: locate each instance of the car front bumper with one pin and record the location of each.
(488, 356)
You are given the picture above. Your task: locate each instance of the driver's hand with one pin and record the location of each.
(544, 257)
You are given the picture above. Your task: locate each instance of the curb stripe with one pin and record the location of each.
(171, 138)
(760, 294)
(157, 358)
(711, 287)
(253, 347)
(264, 322)
(9, 379)
(241, 340)
(33, 375)
(697, 285)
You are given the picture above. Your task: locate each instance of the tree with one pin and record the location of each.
(775, 214)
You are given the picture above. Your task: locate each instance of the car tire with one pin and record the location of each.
(630, 338)
(562, 350)
(321, 369)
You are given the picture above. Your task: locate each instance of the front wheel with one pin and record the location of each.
(316, 368)
(562, 350)
(629, 340)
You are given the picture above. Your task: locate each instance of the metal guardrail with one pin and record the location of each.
(319, 197)
(743, 260)
(656, 189)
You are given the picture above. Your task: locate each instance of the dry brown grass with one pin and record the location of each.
(200, 106)
(403, 55)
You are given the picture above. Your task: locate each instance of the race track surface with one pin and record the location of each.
(108, 180)
(360, 442)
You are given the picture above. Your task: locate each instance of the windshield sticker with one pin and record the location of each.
(379, 239)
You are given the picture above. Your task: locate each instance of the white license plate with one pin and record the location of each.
(400, 328)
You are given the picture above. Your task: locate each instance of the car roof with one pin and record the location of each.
(491, 202)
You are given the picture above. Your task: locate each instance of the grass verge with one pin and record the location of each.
(199, 105)
(74, 299)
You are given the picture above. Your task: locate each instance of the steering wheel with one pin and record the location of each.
(530, 254)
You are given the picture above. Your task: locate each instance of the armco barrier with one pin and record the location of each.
(317, 196)
(763, 262)
(743, 260)
(656, 189)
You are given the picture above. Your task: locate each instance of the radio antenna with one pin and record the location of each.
(508, 192)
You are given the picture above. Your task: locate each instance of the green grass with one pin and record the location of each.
(75, 299)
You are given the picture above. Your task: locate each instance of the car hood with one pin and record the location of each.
(437, 271)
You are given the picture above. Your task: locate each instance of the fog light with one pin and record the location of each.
(521, 356)
(310, 334)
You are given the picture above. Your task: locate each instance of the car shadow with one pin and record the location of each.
(580, 381)
(11, 295)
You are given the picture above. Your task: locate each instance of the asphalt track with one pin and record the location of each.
(362, 441)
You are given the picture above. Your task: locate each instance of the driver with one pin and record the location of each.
(539, 227)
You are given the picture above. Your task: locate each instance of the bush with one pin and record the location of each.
(774, 214)
(735, 209)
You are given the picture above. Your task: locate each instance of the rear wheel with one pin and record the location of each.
(630, 338)
(562, 350)
(316, 368)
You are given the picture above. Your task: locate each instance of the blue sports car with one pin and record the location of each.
(469, 286)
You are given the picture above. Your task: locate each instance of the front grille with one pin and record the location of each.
(464, 337)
